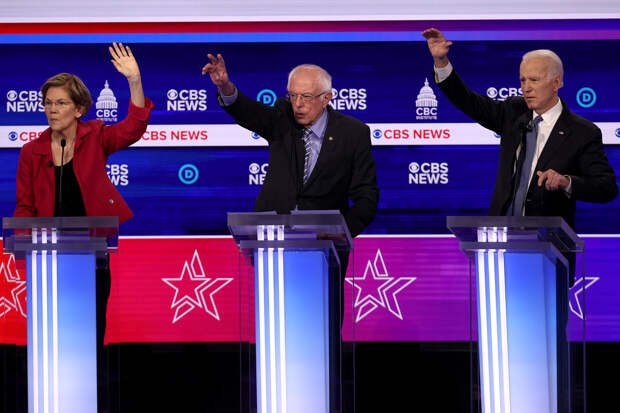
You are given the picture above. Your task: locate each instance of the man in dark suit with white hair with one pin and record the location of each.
(565, 161)
(319, 159)
(549, 158)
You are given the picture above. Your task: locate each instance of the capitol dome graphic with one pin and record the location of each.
(106, 99)
(426, 97)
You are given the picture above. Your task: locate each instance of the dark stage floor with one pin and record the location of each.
(389, 377)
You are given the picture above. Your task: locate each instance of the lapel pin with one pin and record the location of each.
(561, 132)
(331, 138)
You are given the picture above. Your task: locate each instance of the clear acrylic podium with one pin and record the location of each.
(60, 255)
(523, 269)
(296, 298)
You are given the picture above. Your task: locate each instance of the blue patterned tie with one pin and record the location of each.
(306, 138)
(523, 178)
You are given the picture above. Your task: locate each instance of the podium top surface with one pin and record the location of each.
(541, 229)
(61, 223)
(298, 225)
(61, 233)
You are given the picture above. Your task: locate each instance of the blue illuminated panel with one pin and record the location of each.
(62, 352)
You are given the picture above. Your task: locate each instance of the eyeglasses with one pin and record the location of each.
(60, 103)
(305, 98)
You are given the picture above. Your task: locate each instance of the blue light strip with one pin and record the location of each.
(492, 237)
(502, 237)
(282, 318)
(33, 331)
(306, 37)
(483, 325)
(292, 319)
(260, 341)
(517, 328)
(62, 352)
(273, 372)
(55, 377)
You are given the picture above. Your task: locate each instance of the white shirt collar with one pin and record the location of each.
(551, 116)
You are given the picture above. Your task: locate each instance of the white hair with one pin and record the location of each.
(554, 68)
(325, 80)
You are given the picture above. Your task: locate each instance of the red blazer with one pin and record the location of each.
(36, 185)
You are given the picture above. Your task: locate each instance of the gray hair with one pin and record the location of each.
(325, 80)
(555, 63)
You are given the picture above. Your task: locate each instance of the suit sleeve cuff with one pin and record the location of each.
(141, 113)
(228, 100)
(442, 73)
(568, 191)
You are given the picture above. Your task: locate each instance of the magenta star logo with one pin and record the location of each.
(193, 289)
(377, 289)
(12, 288)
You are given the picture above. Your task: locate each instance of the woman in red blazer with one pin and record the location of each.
(81, 147)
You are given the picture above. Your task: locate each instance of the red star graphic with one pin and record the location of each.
(187, 287)
(194, 289)
(209, 291)
(12, 288)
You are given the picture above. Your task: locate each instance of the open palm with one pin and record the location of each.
(437, 43)
(123, 61)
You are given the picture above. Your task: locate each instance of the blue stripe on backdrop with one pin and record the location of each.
(375, 82)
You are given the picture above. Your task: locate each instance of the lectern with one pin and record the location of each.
(60, 255)
(297, 301)
(523, 267)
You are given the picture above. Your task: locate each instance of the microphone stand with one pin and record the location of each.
(63, 143)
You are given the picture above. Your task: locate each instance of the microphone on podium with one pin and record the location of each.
(63, 143)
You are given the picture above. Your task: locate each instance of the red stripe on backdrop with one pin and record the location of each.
(217, 27)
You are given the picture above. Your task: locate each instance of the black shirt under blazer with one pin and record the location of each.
(345, 169)
(574, 148)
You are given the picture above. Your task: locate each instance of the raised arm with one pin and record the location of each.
(487, 112)
(125, 63)
(249, 113)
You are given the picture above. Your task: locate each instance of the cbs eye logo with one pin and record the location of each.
(492, 92)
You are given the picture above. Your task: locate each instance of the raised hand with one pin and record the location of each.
(438, 46)
(124, 62)
(219, 76)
